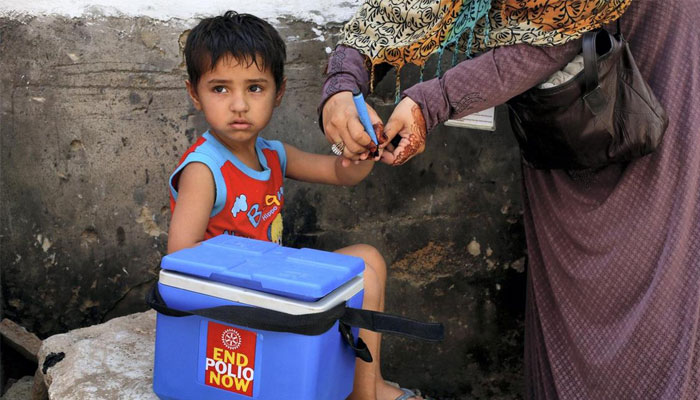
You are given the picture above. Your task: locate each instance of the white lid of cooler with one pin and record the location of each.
(261, 299)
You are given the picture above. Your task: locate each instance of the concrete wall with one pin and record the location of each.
(93, 118)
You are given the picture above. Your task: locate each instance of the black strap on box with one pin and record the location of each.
(310, 324)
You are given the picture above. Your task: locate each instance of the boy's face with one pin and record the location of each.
(237, 99)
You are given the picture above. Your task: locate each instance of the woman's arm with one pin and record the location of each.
(488, 80)
(317, 168)
(471, 86)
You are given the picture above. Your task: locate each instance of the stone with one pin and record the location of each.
(23, 341)
(20, 390)
(113, 360)
(39, 391)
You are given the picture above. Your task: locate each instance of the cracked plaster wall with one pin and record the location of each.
(93, 118)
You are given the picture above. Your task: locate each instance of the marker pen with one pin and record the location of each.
(361, 107)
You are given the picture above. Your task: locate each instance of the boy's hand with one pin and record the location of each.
(341, 123)
(406, 121)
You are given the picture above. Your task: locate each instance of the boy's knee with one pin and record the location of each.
(375, 266)
(374, 288)
(374, 258)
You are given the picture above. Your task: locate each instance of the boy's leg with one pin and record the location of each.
(369, 383)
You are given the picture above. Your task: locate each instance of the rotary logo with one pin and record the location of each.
(231, 339)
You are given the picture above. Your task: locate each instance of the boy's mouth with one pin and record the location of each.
(240, 124)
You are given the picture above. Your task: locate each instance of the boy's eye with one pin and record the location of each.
(256, 88)
(219, 89)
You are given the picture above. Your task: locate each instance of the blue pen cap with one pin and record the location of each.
(362, 112)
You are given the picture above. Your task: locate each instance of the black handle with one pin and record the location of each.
(255, 317)
(305, 324)
(590, 61)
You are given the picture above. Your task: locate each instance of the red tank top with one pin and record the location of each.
(248, 203)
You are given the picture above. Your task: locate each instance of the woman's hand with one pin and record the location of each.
(341, 123)
(406, 121)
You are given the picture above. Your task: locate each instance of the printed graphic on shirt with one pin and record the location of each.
(262, 212)
(274, 231)
(239, 205)
(230, 361)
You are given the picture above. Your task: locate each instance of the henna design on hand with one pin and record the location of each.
(416, 138)
(379, 131)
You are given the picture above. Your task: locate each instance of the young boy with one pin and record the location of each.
(230, 180)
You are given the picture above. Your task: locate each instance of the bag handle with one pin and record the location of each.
(590, 56)
(593, 95)
(309, 324)
(590, 61)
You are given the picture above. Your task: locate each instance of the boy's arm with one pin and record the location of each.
(195, 200)
(317, 168)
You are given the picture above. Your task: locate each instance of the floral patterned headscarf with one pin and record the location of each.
(400, 32)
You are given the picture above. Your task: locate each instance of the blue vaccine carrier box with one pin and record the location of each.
(200, 358)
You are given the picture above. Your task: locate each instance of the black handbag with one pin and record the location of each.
(606, 114)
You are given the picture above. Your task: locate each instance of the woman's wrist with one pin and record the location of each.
(346, 71)
(432, 101)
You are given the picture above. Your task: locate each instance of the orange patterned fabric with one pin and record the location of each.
(546, 22)
(399, 32)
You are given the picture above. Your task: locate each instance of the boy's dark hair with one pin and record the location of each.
(243, 36)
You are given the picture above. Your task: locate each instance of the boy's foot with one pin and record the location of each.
(387, 391)
(407, 395)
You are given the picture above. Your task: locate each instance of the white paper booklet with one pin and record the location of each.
(483, 120)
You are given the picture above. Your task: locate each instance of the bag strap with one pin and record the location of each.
(360, 349)
(309, 324)
(619, 31)
(593, 96)
(255, 317)
(590, 61)
(393, 324)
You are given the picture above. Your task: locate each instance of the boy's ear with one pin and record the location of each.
(280, 92)
(192, 91)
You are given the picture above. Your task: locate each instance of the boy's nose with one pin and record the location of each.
(238, 103)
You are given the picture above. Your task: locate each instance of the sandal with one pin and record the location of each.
(407, 394)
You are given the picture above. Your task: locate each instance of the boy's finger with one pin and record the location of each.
(378, 155)
(387, 157)
(380, 152)
(391, 153)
